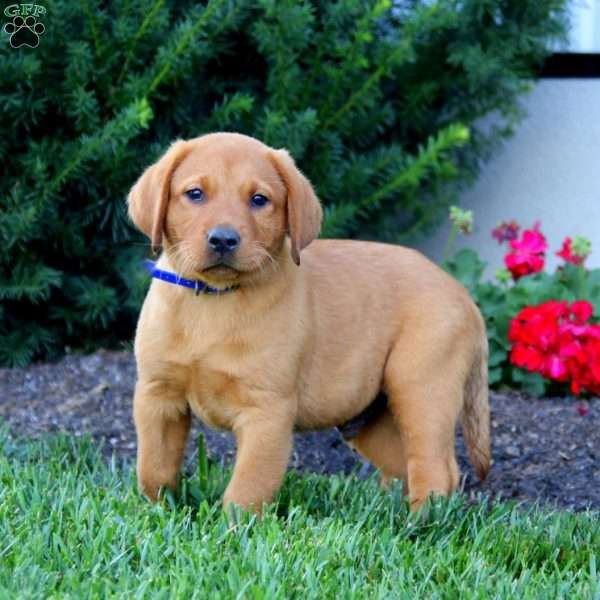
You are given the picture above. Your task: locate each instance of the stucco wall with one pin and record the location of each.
(549, 170)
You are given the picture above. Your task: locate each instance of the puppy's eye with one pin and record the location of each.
(258, 201)
(195, 195)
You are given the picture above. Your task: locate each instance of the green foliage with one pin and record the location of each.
(74, 526)
(377, 100)
(500, 303)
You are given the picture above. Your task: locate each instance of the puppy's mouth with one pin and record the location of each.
(221, 270)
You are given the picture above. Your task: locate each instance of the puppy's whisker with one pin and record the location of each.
(274, 263)
(180, 252)
(261, 253)
(186, 261)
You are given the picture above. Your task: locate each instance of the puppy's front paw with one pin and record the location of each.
(236, 501)
(150, 490)
(151, 486)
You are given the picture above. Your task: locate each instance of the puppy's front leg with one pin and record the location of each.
(162, 421)
(264, 443)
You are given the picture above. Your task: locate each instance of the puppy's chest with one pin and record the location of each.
(220, 384)
(229, 369)
(214, 396)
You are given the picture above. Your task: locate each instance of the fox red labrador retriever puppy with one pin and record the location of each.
(257, 328)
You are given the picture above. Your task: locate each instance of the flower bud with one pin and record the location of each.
(506, 231)
(462, 219)
(581, 246)
(503, 275)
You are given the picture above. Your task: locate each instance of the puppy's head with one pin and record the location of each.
(222, 204)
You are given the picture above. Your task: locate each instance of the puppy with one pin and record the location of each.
(258, 329)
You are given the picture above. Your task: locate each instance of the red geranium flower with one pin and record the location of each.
(582, 311)
(557, 341)
(523, 264)
(566, 252)
(527, 254)
(532, 241)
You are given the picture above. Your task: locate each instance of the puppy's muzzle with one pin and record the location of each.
(223, 240)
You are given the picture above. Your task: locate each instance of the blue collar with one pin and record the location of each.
(200, 287)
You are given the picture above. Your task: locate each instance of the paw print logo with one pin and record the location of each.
(24, 31)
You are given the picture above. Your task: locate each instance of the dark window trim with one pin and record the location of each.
(572, 64)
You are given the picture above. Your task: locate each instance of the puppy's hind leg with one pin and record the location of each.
(426, 405)
(380, 442)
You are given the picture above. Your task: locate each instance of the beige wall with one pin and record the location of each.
(549, 170)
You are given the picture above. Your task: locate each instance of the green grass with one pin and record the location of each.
(73, 526)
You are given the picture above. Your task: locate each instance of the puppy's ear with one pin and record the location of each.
(304, 213)
(149, 197)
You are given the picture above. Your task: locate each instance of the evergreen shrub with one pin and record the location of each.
(379, 102)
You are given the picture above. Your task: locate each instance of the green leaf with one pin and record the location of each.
(498, 354)
(467, 267)
(494, 375)
(532, 383)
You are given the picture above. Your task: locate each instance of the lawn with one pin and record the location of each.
(74, 526)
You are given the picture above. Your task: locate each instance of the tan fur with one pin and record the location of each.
(295, 347)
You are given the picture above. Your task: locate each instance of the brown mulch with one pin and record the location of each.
(544, 450)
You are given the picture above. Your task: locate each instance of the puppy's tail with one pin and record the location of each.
(476, 413)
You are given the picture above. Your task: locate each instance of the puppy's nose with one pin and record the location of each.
(223, 239)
